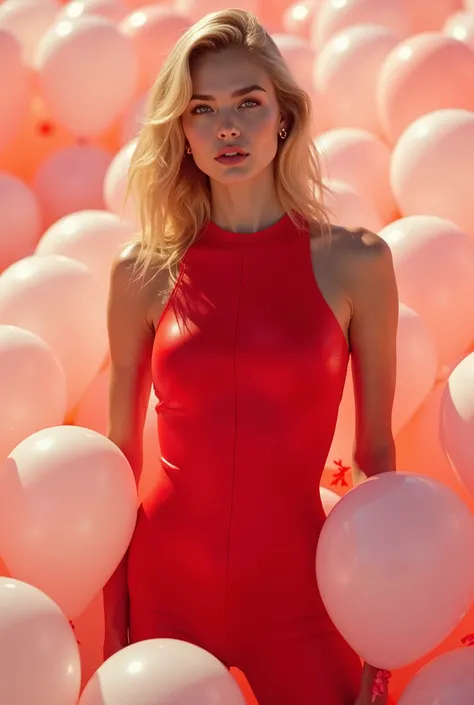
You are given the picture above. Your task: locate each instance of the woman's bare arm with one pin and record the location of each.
(373, 337)
(131, 335)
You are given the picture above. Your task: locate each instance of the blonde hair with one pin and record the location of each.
(172, 195)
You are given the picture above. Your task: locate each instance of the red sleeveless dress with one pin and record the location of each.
(248, 366)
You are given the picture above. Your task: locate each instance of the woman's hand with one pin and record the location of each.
(114, 640)
(365, 697)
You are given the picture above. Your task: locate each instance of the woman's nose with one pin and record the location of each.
(225, 132)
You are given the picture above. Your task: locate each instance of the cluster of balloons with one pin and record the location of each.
(392, 84)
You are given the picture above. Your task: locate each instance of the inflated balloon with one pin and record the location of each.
(33, 387)
(335, 16)
(56, 298)
(417, 364)
(162, 672)
(153, 31)
(329, 499)
(132, 119)
(348, 208)
(28, 20)
(91, 413)
(425, 16)
(361, 160)
(39, 658)
(460, 26)
(447, 680)
(113, 10)
(20, 220)
(346, 73)
(115, 186)
(74, 60)
(433, 165)
(38, 137)
(424, 73)
(70, 180)
(93, 237)
(196, 9)
(15, 85)
(68, 510)
(298, 17)
(434, 255)
(457, 421)
(299, 55)
(383, 547)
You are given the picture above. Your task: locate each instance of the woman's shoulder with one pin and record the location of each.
(349, 244)
(358, 256)
(139, 287)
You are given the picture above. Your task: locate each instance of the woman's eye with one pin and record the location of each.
(200, 109)
(251, 101)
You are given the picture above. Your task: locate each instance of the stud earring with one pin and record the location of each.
(283, 133)
(189, 150)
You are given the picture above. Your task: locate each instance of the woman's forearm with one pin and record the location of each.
(116, 601)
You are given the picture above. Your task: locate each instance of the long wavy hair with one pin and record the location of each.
(172, 195)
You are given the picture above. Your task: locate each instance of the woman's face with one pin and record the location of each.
(233, 109)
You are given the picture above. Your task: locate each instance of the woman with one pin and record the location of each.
(247, 351)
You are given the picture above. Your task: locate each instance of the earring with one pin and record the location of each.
(189, 150)
(283, 133)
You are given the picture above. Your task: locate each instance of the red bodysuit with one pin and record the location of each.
(248, 366)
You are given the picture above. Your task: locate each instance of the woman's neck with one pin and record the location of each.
(245, 207)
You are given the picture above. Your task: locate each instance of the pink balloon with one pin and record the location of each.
(299, 55)
(132, 119)
(196, 9)
(347, 208)
(329, 499)
(457, 421)
(424, 73)
(447, 680)
(361, 160)
(28, 20)
(91, 413)
(71, 180)
(15, 85)
(68, 511)
(460, 26)
(113, 10)
(425, 16)
(33, 387)
(20, 220)
(298, 18)
(434, 266)
(162, 671)
(88, 73)
(153, 31)
(346, 73)
(416, 374)
(93, 237)
(56, 298)
(433, 167)
(115, 186)
(335, 16)
(39, 658)
(383, 549)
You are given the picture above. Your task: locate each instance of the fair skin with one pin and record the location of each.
(355, 276)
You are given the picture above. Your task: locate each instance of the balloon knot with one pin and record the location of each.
(74, 630)
(339, 475)
(468, 640)
(45, 128)
(380, 683)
